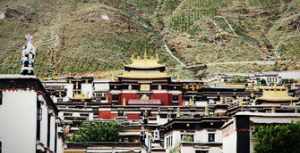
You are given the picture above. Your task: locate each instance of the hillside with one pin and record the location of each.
(95, 36)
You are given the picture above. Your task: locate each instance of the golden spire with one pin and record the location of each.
(156, 57)
(132, 57)
(145, 55)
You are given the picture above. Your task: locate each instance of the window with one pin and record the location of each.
(0, 147)
(187, 137)
(163, 115)
(115, 97)
(103, 96)
(120, 113)
(154, 87)
(169, 141)
(164, 87)
(38, 120)
(175, 99)
(48, 129)
(211, 137)
(145, 87)
(1, 99)
(135, 87)
(156, 134)
(201, 151)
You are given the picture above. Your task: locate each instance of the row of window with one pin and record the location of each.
(175, 98)
(189, 137)
(143, 87)
(169, 141)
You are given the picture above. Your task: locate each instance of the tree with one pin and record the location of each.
(96, 132)
(278, 138)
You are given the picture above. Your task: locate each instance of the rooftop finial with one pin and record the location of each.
(145, 54)
(132, 58)
(28, 56)
(156, 57)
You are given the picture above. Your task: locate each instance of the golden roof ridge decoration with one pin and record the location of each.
(145, 62)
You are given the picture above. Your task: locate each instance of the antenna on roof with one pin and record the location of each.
(28, 56)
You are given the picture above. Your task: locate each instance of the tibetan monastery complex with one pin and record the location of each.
(160, 114)
(156, 113)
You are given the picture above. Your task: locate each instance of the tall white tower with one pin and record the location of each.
(28, 56)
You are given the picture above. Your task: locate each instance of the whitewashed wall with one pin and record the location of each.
(60, 145)
(69, 88)
(202, 136)
(52, 132)
(18, 121)
(192, 149)
(87, 89)
(44, 124)
(101, 86)
(229, 139)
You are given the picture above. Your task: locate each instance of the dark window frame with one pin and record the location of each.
(211, 137)
(49, 130)
(1, 99)
(175, 98)
(115, 97)
(38, 120)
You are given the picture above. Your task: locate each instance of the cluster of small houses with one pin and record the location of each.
(157, 113)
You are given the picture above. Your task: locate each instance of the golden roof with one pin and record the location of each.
(145, 63)
(143, 74)
(145, 68)
(276, 94)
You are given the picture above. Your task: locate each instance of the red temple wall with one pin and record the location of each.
(180, 100)
(128, 96)
(107, 115)
(133, 116)
(109, 97)
(164, 98)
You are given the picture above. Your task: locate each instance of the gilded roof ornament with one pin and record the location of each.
(145, 62)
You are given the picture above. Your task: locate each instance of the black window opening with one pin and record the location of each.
(48, 130)
(120, 113)
(115, 97)
(55, 140)
(125, 86)
(1, 98)
(175, 98)
(163, 115)
(165, 87)
(201, 151)
(103, 98)
(38, 120)
(154, 87)
(211, 137)
(0, 146)
(135, 87)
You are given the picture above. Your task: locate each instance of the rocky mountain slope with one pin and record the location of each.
(99, 36)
